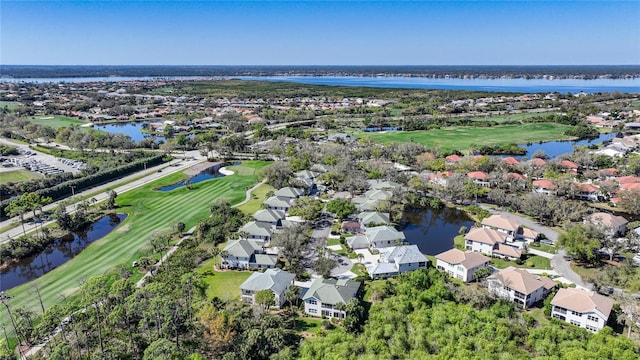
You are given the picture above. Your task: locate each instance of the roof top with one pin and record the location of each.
(485, 236)
(405, 254)
(368, 217)
(506, 250)
(545, 184)
(381, 268)
(511, 160)
(383, 233)
(269, 215)
(537, 162)
(467, 259)
(521, 280)
(607, 220)
(582, 301)
(289, 192)
(501, 222)
(358, 240)
(480, 175)
(277, 201)
(266, 259)
(242, 248)
(256, 228)
(276, 280)
(332, 291)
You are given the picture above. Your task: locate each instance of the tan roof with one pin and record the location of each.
(485, 236)
(607, 220)
(507, 251)
(582, 301)
(480, 175)
(529, 234)
(501, 222)
(545, 184)
(467, 259)
(522, 281)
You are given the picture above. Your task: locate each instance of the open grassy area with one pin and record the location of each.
(222, 284)
(148, 210)
(258, 196)
(15, 176)
(56, 121)
(508, 117)
(539, 262)
(10, 105)
(464, 137)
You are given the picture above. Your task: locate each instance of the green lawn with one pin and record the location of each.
(539, 262)
(258, 196)
(463, 137)
(15, 176)
(8, 104)
(224, 285)
(509, 117)
(56, 121)
(148, 210)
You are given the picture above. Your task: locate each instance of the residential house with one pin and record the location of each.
(241, 253)
(278, 203)
(461, 264)
(586, 191)
(275, 280)
(351, 227)
(358, 242)
(289, 193)
(452, 159)
(367, 218)
(383, 185)
(270, 216)
(324, 295)
(480, 178)
(490, 242)
(544, 186)
(257, 231)
(305, 174)
(582, 308)
(610, 224)
(441, 178)
(568, 166)
(397, 260)
(519, 286)
(502, 224)
(511, 161)
(383, 236)
(516, 179)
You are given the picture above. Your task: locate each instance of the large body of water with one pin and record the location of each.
(57, 253)
(554, 149)
(433, 230)
(131, 129)
(499, 85)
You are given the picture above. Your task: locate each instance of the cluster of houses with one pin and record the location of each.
(500, 236)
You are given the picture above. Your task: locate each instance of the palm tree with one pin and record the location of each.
(292, 295)
(360, 257)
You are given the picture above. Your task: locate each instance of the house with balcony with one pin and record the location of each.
(544, 186)
(275, 280)
(461, 264)
(586, 191)
(480, 178)
(244, 254)
(583, 308)
(325, 296)
(490, 242)
(610, 224)
(278, 203)
(519, 286)
(397, 260)
(516, 234)
(257, 231)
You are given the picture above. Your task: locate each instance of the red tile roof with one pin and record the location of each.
(511, 160)
(545, 184)
(480, 175)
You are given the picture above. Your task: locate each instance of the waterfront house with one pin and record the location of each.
(397, 260)
(367, 218)
(490, 242)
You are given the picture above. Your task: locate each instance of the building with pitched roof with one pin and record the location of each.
(278, 203)
(244, 254)
(258, 231)
(544, 186)
(610, 224)
(270, 216)
(289, 192)
(490, 242)
(519, 286)
(383, 236)
(461, 264)
(516, 234)
(324, 295)
(397, 260)
(275, 280)
(582, 308)
(367, 218)
(480, 178)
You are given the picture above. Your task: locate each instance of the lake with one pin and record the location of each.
(497, 85)
(433, 230)
(131, 129)
(554, 149)
(210, 173)
(57, 253)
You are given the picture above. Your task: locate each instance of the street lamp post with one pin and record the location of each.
(73, 189)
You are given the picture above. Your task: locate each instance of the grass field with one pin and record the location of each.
(15, 176)
(258, 196)
(148, 210)
(463, 137)
(539, 262)
(509, 117)
(9, 104)
(222, 284)
(56, 121)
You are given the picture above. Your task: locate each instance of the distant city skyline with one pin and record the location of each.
(319, 33)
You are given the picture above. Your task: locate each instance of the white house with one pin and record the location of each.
(383, 236)
(582, 308)
(278, 203)
(502, 224)
(324, 295)
(397, 260)
(258, 231)
(519, 286)
(270, 216)
(460, 264)
(610, 224)
(490, 242)
(239, 253)
(275, 280)
(544, 186)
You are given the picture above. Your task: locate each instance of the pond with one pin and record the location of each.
(554, 149)
(132, 129)
(433, 230)
(57, 253)
(209, 173)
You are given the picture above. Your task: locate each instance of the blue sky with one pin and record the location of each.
(319, 32)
